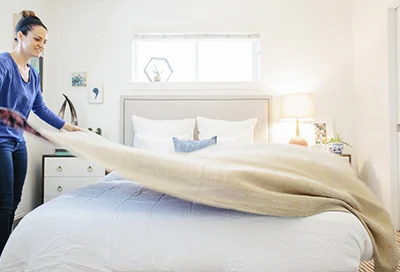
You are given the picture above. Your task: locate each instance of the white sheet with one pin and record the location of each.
(116, 225)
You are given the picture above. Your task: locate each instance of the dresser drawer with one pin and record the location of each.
(71, 166)
(57, 186)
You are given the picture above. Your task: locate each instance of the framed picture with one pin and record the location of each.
(79, 79)
(323, 130)
(96, 94)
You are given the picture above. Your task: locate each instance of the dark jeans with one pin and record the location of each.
(13, 166)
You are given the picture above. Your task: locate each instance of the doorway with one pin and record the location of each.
(394, 107)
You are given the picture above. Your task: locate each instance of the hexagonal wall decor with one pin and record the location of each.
(158, 69)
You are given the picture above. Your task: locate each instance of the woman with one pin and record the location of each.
(20, 91)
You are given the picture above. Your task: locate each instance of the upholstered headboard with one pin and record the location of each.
(226, 107)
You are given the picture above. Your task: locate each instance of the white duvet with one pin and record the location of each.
(116, 225)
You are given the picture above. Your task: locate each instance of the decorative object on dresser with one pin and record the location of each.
(74, 115)
(336, 144)
(299, 107)
(61, 152)
(74, 120)
(61, 174)
(98, 130)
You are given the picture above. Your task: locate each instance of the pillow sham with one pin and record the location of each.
(246, 138)
(187, 146)
(157, 144)
(226, 129)
(162, 128)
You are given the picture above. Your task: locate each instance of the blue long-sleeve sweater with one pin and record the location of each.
(22, 96)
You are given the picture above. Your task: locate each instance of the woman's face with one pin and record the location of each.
(34, 42)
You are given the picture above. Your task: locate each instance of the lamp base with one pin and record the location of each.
(297, 140)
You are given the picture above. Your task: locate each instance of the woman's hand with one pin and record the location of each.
(69, 127)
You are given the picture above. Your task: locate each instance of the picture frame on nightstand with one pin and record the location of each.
(323, 130)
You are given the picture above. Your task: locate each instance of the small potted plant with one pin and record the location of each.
(336, 144)
(157, 74)
(98, 131)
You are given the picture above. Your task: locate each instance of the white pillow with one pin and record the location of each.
(157, 144)
(226, 129)
(240, 139)
(162, 128)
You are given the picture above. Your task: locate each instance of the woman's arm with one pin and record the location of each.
(70, 127)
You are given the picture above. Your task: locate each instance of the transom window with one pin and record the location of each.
(196, 57)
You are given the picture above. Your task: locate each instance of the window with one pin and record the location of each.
(198, 57)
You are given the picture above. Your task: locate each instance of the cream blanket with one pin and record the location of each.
(268, 179)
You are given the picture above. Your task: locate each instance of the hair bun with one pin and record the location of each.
(27, 13)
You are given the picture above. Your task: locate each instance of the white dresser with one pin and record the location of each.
(62, 174)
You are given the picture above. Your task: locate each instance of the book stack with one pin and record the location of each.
(61, 152)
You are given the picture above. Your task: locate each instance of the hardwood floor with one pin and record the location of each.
(369, 266)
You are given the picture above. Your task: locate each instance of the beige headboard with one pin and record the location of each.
(226, 107)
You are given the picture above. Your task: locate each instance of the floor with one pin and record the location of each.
(369, 266)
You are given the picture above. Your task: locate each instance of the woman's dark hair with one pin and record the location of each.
(28, 21)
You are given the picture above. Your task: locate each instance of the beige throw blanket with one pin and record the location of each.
(268, 179)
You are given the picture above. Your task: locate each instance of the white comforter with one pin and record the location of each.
(116, 225)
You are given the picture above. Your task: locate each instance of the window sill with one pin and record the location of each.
(194, 86)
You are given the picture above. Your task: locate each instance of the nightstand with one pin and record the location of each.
(347, 156)
(61, 174)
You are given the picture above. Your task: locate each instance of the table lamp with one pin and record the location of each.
(299, 107)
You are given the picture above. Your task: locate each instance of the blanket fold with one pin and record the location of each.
(267, 179)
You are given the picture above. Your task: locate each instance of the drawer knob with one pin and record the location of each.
(59, 188)
(59, 169)
(90, 169)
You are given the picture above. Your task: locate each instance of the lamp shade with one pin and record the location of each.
(297, 106)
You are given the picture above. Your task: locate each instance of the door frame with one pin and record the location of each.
(394, 92)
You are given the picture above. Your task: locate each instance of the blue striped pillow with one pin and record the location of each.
(192, 145)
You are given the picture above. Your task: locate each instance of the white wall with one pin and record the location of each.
(371, 79)
(306, 46)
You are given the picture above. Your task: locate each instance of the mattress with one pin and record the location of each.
(117, 225)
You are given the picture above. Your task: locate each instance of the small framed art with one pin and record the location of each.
(96, 94)
(79, 79)
(323, 130)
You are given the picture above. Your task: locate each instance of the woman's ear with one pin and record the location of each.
(19, 35)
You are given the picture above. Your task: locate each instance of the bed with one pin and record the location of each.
(118, 225)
